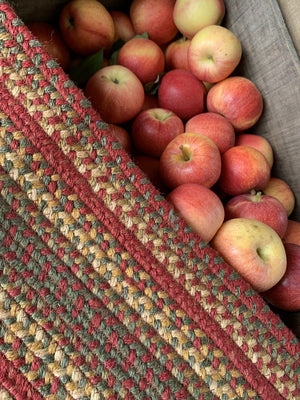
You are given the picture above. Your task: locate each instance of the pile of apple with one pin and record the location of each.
(163, 77)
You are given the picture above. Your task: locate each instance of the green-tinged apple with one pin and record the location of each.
(150, 101)
(200, 207)
(260, 143)
(285, 295)
(280, 189)
(238, 99)
(116, 93)
(192, 15)
(292, 233)
(181, 92)
(86, 26)
(50, 37)
(214, 53)
(154, 17)
(122, 135)
(123, 26)
(243, 169)
(253, 249)
(258, 206)
(190, 158)
(176, 54)
(215, 126)
(153, 129)
(151, 168)
(143, 57)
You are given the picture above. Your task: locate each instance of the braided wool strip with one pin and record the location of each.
(105, 293)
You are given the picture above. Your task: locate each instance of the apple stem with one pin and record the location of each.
(256, 195)
(168, 116)
(162, 116)
(185, 152)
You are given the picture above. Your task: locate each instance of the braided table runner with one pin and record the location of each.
(105, 293)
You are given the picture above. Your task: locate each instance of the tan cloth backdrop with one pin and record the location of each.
(291, 13)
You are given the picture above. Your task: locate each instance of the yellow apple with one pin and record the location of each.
(192, 15)
(214, 53)
(254, 250)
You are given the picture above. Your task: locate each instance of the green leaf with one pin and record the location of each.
(81, 73)
(143, 35)
(152, 87)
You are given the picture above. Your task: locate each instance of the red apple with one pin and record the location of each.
(260, 143)
(286, 293)
(200, 207)
(86, 26)
(258, 206)
(237, 99)
(116, 93)
(243, 169)
(49, 36)
(253, 249)
(122, 135)
(123, 26)
(190, 158)
(192, 15)
(151, 168)
(292, 233)
(176, 54)
(214, 53)
(143, 57)
(153, 129)
(154, 17)
(215, 126)
(181, 92)
(280, 189)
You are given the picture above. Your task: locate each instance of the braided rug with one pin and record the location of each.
(105, 293)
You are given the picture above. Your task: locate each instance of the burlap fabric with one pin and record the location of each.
(291, 13)
(105, 293)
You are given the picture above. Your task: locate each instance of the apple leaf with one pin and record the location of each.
(152, 87)
(142, 35)
(81, 73)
